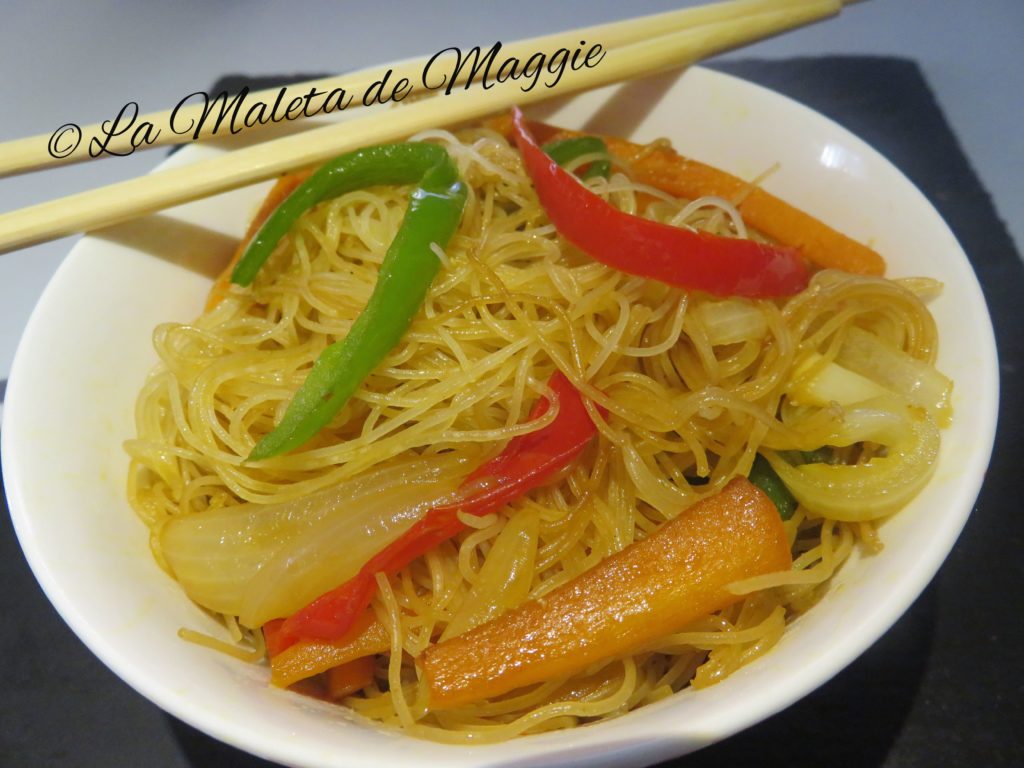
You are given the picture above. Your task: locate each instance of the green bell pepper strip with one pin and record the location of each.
(565, 151)
(763, 476)
(384, 164)
(408, 269)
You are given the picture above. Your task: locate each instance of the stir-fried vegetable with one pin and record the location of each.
(866, 354)
(673, 255)
(731, 321)
(878, 487)
(505, 577)
(662, 167)
(817, 382)
(528, 462)
(263, 561)
(278, 193)
(408, 269)
(384, 164)
(365, 638)
(648, 590)
(348, 678)
(564, 151)
(763, 476)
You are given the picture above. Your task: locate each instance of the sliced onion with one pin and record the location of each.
(866, 354)
(885, 483)
(731, 321)
(505, 578)
(264, 561)
(817, 384)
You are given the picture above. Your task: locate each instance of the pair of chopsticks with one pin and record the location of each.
(635, 47)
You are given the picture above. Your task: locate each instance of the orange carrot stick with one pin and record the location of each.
(650, 589)
(664, 168)
(349, 677)
(366, 637)
(281, 189)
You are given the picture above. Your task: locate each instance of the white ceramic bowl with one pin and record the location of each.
(87, 351)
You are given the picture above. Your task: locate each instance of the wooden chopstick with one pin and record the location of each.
(125, 200)
(23, 155)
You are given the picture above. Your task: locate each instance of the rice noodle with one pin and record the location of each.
(693, 388)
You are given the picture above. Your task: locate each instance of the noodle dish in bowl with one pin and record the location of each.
(514, 442)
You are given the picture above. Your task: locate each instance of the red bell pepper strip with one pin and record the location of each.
(724, 266)
(528, 461)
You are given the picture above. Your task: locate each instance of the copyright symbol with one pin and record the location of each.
(64, 140)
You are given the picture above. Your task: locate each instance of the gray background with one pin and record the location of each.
(82, 61)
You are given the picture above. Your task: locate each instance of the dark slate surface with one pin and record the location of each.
(942, 688)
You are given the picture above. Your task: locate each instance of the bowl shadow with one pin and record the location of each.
(195, 248)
